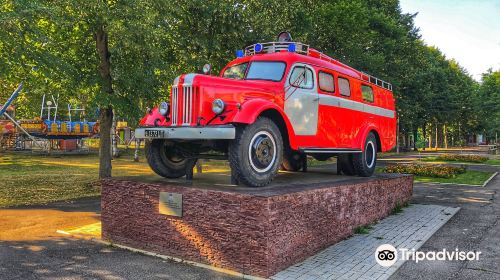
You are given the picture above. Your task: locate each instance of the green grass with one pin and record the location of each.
(399, 208)
(27, 179)
(470, 177)
(493, 162)
(363, 229)
(435, 160)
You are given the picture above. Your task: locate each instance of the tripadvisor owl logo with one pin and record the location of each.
(386, 255)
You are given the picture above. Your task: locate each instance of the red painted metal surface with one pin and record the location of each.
(245, 100)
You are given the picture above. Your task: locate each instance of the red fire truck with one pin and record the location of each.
(269, 108)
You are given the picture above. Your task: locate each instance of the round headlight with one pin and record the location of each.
(164, 108)
(218, 106)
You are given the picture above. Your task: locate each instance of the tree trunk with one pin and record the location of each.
(106, 112)
(407, 140)
(101, 39)
(430, 135)
(437, 138)
(415, 136)
(445, 136)
(397, 135)
(114, 139)
(105, 121)
(424, 134)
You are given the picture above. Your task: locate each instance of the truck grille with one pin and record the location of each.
(187, 102)
(183, 105)
(175, 105)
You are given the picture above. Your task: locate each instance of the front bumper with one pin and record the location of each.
(187, 132)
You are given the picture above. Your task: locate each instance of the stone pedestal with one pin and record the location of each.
(252, 231)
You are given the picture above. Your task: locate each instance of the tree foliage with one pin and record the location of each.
(51, 45)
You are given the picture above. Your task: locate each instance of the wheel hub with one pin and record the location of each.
(262, 151)
(370, 154)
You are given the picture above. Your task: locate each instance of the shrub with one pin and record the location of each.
(463, 158)
(427, 170)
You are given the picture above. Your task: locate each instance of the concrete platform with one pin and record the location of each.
(254, 231)
(220, 179)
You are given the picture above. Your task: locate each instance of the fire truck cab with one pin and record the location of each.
(268, 109)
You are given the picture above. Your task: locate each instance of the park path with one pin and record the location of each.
(30, 248)
(475, 227)
(41, 222)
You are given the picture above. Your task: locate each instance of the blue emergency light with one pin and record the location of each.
(291, 48)
(239, 53)
(258, 47)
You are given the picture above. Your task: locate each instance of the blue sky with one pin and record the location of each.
(466, 30)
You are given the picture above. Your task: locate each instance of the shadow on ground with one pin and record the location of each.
(63, 258)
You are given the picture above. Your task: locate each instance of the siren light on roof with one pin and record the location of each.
(285, 36)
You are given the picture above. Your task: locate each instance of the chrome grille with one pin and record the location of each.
(175, 104)
(187, 101)
(183, 117)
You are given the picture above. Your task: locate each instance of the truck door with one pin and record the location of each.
(302, 99)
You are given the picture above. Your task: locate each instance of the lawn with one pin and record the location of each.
(28, 179)
(493, 162)
(470, 177)
(488, 162)
(36, 179)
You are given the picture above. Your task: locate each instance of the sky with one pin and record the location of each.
(465, 30)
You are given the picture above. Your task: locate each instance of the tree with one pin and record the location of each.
(487, 104)
(122, 56)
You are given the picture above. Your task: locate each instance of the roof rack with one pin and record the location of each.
(272, 47)
(377, 81)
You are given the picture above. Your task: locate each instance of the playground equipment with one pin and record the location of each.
(7, 129)
(46, 133)
(47, 126)
(5, 109)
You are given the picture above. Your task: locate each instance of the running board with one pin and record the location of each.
(328, 150)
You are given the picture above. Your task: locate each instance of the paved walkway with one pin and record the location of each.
(354, 258)
(30, 248)
(475, 227)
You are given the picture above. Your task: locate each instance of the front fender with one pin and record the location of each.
(252, 109)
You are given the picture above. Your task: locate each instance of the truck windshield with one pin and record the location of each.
(236, 71)
(259, 70)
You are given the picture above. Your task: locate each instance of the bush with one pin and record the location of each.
(463, 158)
(430, 170)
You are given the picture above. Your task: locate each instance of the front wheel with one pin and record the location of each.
(164, 159)
(365, 162)
(256, 154)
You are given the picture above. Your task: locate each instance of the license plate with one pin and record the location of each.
(154, 133)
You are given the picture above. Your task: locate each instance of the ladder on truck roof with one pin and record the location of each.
(297, 47)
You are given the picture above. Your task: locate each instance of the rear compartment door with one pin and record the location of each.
(302, 99)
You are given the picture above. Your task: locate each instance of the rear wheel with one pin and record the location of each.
(255, 155)
(365, 162)
(345, 161)
(164, 159)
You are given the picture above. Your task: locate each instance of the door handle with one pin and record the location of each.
(316, 99)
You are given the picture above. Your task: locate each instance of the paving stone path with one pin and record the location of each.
(354, 258)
